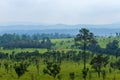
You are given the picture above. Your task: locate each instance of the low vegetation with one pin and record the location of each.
(84, 57)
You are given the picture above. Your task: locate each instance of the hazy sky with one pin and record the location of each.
(60, 11)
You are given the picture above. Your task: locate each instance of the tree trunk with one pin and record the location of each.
(99, 74)
(84, 55)
(84, 58)
(99, 71)
(54, 78)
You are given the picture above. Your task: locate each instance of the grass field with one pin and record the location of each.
(66, 66)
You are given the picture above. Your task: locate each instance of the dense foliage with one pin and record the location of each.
(24, 41)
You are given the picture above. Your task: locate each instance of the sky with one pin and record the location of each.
(59, 11)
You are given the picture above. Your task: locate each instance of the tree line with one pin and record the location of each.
(24, 41)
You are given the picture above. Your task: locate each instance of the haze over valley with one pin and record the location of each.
(98, 30)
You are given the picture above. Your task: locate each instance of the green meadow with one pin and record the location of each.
(67, 66)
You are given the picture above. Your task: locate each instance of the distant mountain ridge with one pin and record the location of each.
(56, 26)
(108, 29)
